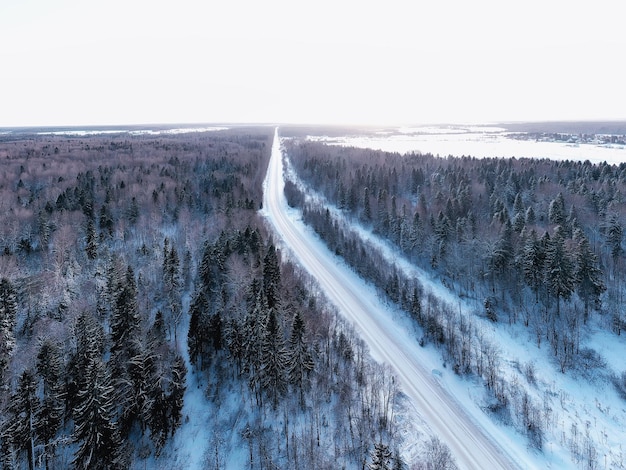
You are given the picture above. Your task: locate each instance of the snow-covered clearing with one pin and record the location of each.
(585, 420)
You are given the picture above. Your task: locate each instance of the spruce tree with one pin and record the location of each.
(556, 211)
(177, 393)
(91, 243)
(299, 360)
(23, 409)
(273, 358)
(125, 345)
(588, 274)
(533, 259)
(271, 277)
(381, 457)
(50, 412)
(8, 318)
(560, 275)
(95, 429)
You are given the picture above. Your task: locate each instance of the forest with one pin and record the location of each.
(137, 276)
(530, 242)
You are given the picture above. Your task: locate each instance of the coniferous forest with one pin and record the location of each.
(535, 245)
(136, 274)
(139, 283)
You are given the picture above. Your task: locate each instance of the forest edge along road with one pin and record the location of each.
(470, 445)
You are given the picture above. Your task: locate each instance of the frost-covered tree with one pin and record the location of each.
(560, 274)
(51, 369)
(556, 211)
(8, 313)
(533, 260)
(299, 359)
(588, 274)
(271, 277)
(273, 358)
(177, 392)
(23, 408)
(381, 457)
(91, 240)
(95, 429)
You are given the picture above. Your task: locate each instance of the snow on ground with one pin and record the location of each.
(352, 294)
(584, 416)
(478, 142)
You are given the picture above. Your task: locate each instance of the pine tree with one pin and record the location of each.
(530, 216)
(381, 458)
(588, 275)
(142, 374)
(89, 338)
(125, 345)
(299, 360)
(235, 342)
(367, 210)
(556, 211)
(271, 277)
(125, 319)
(252, 335)
(50, 413)
(8, 318)
(172, 284)
(416, 306)
(177, 394)
(273, 358)
(533, 263)
(197, 334)
(23, 409)
(560, 275)
(614, 233)
(95, 431)
(91, 244)
(502, 255)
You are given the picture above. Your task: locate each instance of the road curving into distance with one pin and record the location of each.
(471, 446)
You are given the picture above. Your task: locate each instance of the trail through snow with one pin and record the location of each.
(475, 444)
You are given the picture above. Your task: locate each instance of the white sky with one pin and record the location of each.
(73, 62)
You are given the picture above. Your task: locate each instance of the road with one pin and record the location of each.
(471, 447)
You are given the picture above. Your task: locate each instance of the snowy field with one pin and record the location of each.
(477, 141)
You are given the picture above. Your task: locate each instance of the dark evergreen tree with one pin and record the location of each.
(23, 411)
(95, 429)
(214, 331)
(89, 345)
(125, 319)
(50, 412)
(531, 218)
(8, 318)
(271, 277)
(142, 374)
(588, 274)
(299, 359)
(560, 274)
(367, 210)
(91, 243)
(502, 254)
(556, 211)
(125, 345)
(273, 358)
(614, 233)
(197, 334)
(381, 457)
(533, 260)
(177, 394)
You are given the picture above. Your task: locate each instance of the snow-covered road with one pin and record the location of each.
(470, 445)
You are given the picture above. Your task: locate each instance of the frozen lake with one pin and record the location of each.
(477, 141)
